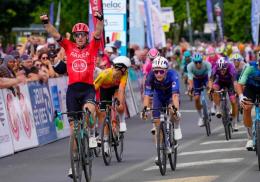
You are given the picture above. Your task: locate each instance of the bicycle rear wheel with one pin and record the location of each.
(75, 159)
(161, 149)
(173, 156)
(106, 140)
(87, 157)
(258, 142)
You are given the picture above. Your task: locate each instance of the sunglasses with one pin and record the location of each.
(122, 69)
(161, 72)
(38, 65)
(78, 34)
(44, 58)
(198, 62)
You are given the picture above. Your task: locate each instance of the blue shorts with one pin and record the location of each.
(160, 101)
(198, 83)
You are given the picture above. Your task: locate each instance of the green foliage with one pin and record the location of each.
(237, 14)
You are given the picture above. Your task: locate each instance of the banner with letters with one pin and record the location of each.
(19, 114)
(43, 112)
(56, 89)
(6, 144)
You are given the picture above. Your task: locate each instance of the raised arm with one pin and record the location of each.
(99, 25)
(49, 27)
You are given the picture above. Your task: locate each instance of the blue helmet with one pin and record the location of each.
(187, 54)
(197, 57)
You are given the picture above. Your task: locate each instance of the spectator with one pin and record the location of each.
(47, 59)
(6, 69)
(1, 59)
(27, 68)
(10, 82)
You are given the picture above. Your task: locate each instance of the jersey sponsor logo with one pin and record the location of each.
(79, 65)
(79, 56)
(173, 84)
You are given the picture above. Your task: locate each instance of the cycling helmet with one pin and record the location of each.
(222, 63)
(236, 56)
(122, 62)
(160, 62)
(80, 27)
(153, 53)
(197, 58)
(210, 50)
(187, 54)
(200, 49)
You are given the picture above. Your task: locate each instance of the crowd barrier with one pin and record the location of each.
(27, 113)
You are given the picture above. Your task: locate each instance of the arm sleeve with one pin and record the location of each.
(244, 75)
(148, 90)
(94, 46)
(175, 83)
(190, 74)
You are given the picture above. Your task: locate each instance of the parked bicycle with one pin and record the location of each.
(81, 155)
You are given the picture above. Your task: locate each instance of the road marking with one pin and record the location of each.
(199, 163)
(211, 151)
(235, 133)
(141, 165)
(223, 141)
(188, 110)
(190, 179)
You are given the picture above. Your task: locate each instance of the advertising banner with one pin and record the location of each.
(149, 23)
(20, 118)
(43, 112)
(115, 19)
(61, 123)
(6, 145)
(255, 8)
(129, 100)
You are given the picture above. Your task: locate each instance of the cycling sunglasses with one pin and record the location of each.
(78, 34)
(198, 62)
(161, 72)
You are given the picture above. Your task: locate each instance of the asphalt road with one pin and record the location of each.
(200, 158)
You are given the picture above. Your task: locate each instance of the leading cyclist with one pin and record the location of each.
(80, 66)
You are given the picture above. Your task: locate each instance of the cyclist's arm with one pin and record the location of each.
(208, 65)
(121, 90)
(50, 28)
(175, 90)
(243, 79)
(148, 90)
(99, 80)
(190, 75)
(99, 29)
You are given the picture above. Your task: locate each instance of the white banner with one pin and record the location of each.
(6, 145)
(58, 88)
(129, 100)
(19, 111)
(114, 6)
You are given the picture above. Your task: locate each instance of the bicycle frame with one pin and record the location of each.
(257, 119)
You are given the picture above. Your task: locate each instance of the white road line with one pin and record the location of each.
(199, 163)
(187, 110)
(235, 133)
(189, 179)
(211, 151)
(145, 163)
(223, 141)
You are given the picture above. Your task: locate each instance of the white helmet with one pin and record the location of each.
(122, 61)
(160, 62)
(222, 63)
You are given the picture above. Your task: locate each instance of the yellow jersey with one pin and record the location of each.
(105, 80)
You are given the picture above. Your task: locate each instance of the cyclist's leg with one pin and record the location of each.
(249, 92)
(198, 83)
(216, 98)
(119, 94)
(233, 101)
(157, 104)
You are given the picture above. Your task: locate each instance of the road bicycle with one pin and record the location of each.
(81, 155)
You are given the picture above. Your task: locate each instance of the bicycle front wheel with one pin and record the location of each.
(106, 143)
(258, 142)
(119, 146)
(161, 148)
(87, 157)
(173, 156)
(75, 159)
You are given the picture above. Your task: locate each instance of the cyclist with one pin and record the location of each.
(224, 76)
(185, 61)
(249, 88)
(163, 84)
(112, 83)
(80, 66)
(199, 72)
(212, 56)
(239, 64)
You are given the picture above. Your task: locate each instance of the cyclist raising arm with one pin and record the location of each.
(80, 66)
(248, 88)
(163, 85)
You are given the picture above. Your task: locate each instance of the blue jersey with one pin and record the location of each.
(165, 88)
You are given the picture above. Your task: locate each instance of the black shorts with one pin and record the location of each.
(106, 94)
(251, 92)
(77, 95)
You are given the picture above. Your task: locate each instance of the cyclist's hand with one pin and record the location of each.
(210, 91)
(243, 100)
(144, 115)
(98, 15)
(44, 18)
(176, 114)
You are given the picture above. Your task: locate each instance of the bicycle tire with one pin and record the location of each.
(173, 156)
(97, 151)
(75, 159)
(119, 146)
(161, 149)
(106, 156)
(258, 142)
(87, 157)
(230, 130)
(206, 117)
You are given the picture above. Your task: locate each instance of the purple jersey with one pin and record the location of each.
(229, 76)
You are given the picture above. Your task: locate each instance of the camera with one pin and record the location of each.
(52, 53)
